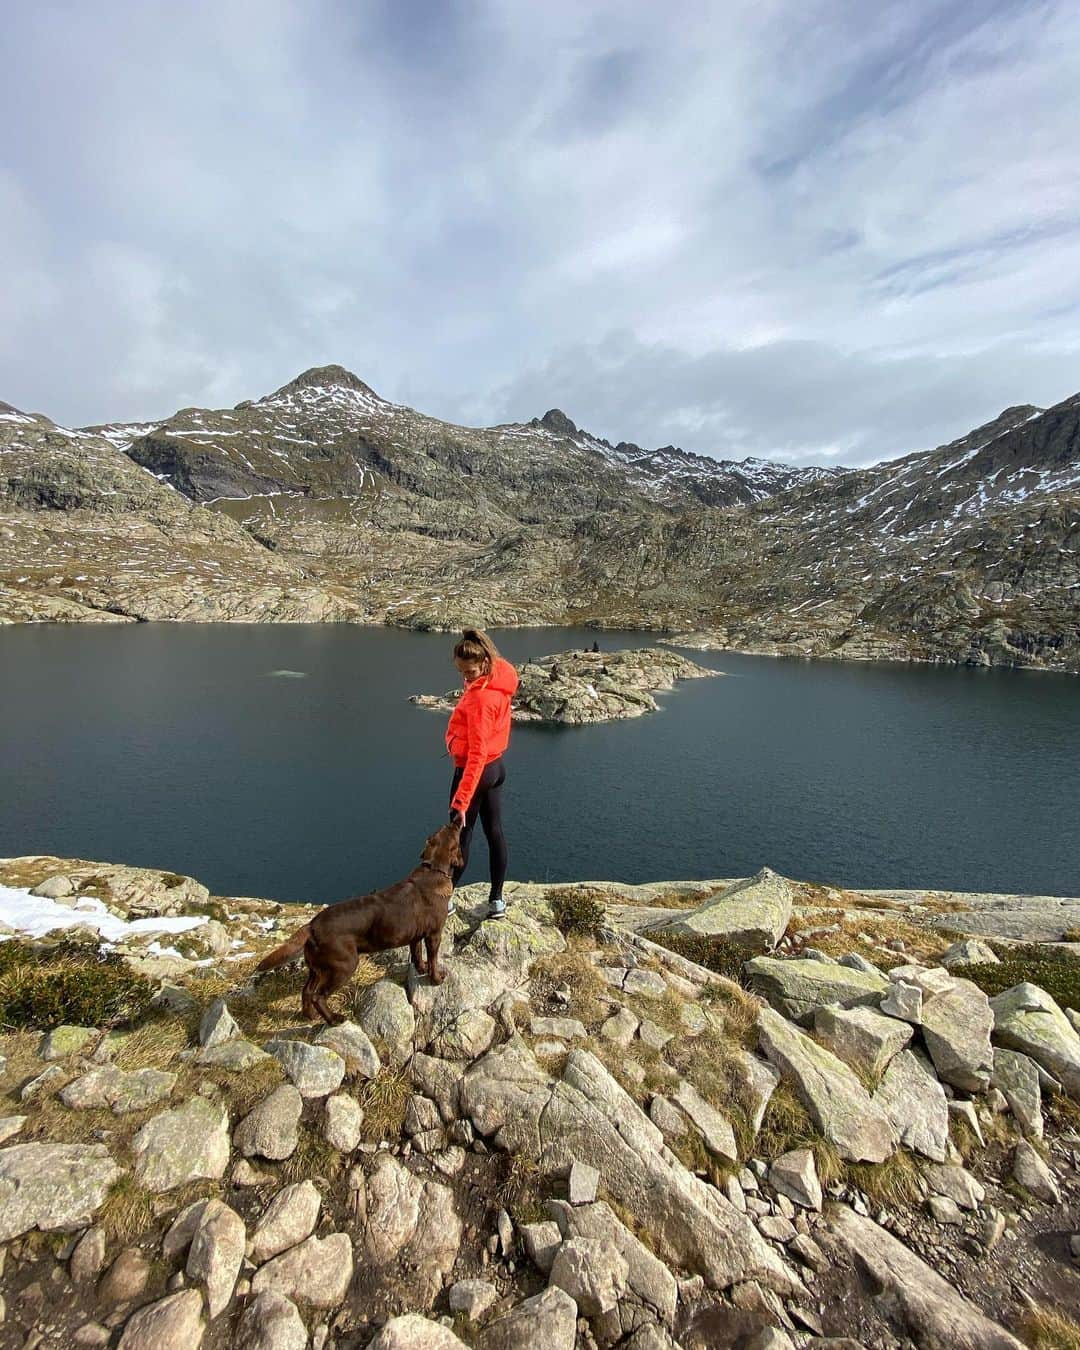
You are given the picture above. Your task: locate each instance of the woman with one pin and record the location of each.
(478, 733)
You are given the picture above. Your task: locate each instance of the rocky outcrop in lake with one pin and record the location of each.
(574, 688)
(746, 1111)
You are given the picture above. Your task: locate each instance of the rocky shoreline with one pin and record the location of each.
(574, 688)
(746, 1112)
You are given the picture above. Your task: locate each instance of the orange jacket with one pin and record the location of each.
(479, 729)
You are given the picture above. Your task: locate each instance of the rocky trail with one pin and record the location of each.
(748, 1112)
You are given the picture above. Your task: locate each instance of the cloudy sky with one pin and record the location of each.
(814, 230)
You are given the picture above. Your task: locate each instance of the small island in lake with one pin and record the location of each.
(577, 687)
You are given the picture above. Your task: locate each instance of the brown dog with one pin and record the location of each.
(409, 913)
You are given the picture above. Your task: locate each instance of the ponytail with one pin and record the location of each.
(475, 645)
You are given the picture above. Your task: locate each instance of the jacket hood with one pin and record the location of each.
(504, 678)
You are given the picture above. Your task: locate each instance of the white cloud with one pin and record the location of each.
(779, 230)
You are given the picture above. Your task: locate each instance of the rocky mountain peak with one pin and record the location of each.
(326, 377)
(557, 421)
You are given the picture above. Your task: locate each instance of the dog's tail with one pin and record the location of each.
(281, 954)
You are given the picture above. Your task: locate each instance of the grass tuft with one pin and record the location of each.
(127, 1212)
(576, 912)
(383, 1101)
(1048, 1329)
(43, 987)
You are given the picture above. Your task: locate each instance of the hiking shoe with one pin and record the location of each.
(496, 908)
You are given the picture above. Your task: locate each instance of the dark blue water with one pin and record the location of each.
(173, 746)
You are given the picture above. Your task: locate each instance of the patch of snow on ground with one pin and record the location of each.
(34, 916)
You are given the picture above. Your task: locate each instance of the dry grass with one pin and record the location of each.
(891, 1184)
(1061, 1112)
(520, 1188)
(1048, 1329)
(383, 1101)
(925, 943)
(127, 1212)
(312, 1158)
(20, 1048)
(154, 1045)
(589, 995)
(243, 1091)
(738, 1009)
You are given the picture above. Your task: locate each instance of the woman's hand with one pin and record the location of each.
(457, 818)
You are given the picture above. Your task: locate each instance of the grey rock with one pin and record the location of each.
(182, 1229)
(808, 1252)
(838, 1103)
(954, 1182)
(794, 1174)
(352, 1045)
(751, 915)
(438, 1079)
(182, 1145)
(651, 1291)
(645, 983)
(1034, 1175)
(758, 1080)
(64, 1041)
(541, 1242)
(421, 1114)
(944, 1210)
(342, 1122)
(413, 1332)
(588, 1117)
(119, 1090)
(712, 1124)
(88, 1258)
(217, 1025)
(965, 1111)
(412, 1220)
(1017, 1077)
(1027, 1019)
(234, 1056)
(317, 1272)
(472, 1297)
(856, 961)
(862, 1037)
(52, 1186)
(271, 1129)
(54, 888)
(968, 952)
(776, 1228)
(620, 1028)
(934, 1312)
(915, 1103)
(796, 988)
(289, 1218)
(271, 1322)
(216, 1252)
(173, 1323)
(566, 1028)
(583, 1183)
(593, 1272)
(314, 1070)
(903, 1001)
(956, 1025)
(548, 1320)
(125, 1279)
(653, 1036)
(10, 1126)
(385, 1015)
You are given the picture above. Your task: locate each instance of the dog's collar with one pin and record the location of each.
(431, 866)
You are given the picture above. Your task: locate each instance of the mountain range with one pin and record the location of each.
(324, 502)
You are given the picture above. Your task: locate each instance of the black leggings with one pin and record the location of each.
(487, 804)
